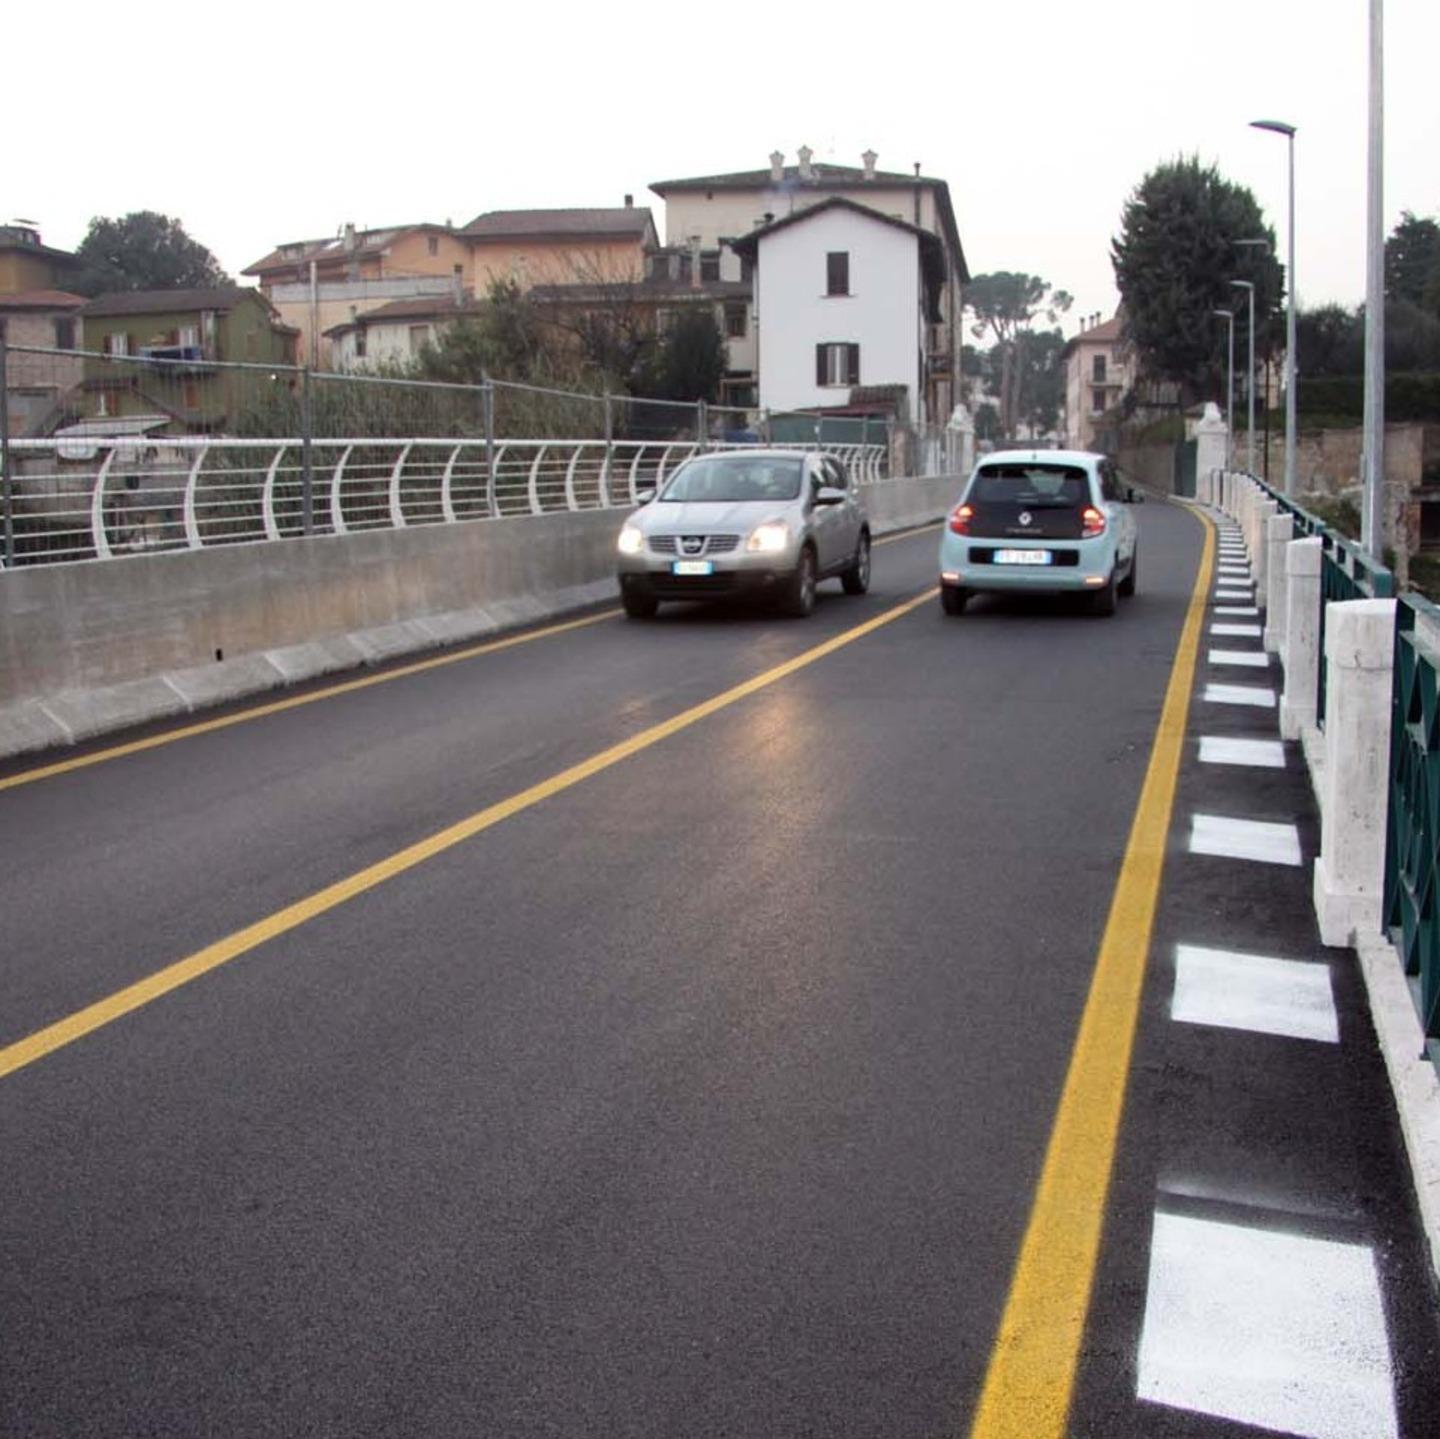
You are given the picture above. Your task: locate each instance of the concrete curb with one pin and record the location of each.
(68, 715)
(1413, 1078)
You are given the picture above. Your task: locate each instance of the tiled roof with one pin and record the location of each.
(42, 300)
(332, 247)
(1106, 333)
(166, 302)
(537, 224)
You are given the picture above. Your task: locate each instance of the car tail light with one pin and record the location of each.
(1092, 522)
(960, 518)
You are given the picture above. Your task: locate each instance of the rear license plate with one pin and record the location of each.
(692, 567)
(1023, 557)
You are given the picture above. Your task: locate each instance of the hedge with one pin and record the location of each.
(1414, 396)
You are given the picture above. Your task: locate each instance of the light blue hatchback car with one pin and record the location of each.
(1041, 521)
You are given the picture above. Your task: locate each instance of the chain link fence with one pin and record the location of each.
(107, 454)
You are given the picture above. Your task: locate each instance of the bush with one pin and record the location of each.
(1414, 396)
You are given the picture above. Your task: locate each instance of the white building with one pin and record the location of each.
(844, 298)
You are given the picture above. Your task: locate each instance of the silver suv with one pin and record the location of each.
(764, 523)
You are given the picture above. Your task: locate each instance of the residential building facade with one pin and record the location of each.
(1099, 371)
(844, 297)
(35, 384)
(710, 212)
(394, 333)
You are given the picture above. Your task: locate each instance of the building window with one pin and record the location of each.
(419, 337)
(117, 344)
(360, 343)
(837, 364)
(1097, 369)
(837, 272)
(1097, 402)
(433, 244)
(735, 320)
(709, 268)
(188, 337)
(747, 269)
(65, 334)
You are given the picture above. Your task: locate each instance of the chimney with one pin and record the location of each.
(803, 154)
(777, 166)
(350, 241)
(868, 159)
(629, 202)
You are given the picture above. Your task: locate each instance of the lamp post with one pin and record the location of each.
(1279, 127)
(1372, 528)
(1250, 381)
(1229, 317)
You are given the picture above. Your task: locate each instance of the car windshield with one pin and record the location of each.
(737, 477)
(1038, 485)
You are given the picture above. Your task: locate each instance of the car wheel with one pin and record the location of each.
(1127, 585)
(856, 580)
(952, 599)
(799, 594)
(640, 607)
(1102, 602)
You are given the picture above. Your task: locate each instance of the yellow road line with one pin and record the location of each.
(1032, 1367)
(471, 652)
(295, 701)
(134, 996)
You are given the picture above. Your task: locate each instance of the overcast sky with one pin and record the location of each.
(274, 122)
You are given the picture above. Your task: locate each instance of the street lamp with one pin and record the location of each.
(1279, 127)
(1229, 317)
(1372, 528)
(1250, 382)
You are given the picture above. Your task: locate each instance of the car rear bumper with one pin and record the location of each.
(1073, 565)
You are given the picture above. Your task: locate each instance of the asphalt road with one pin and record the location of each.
(704, 1096)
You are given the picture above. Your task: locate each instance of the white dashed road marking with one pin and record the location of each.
(1237, 609)
(1255, 839)
(1247, 631)
(1253, 659)
(1234, 594)
(1260, 753)
(1254, 992)
(1273, 1330)
(1239, 695)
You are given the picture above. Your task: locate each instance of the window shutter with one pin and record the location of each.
(852, 364)
(819, 364)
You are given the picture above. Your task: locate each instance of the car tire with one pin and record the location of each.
(798, 596)
(1102, 602)
(856, 580)
(640, 607)
(953, 599)
(1127, 585)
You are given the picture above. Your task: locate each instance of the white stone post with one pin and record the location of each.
(1211, 438)
(1265, 510)
(1301, 654)
(1350, 872)
(1279, 530)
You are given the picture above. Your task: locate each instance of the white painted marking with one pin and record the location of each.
(1239, 695)
(1243, 571)
(1254, 991)
(1250, 631)
(1256, 839)
(1258, 753)
(1278, 1331)
(1227, 548)
(1234, 594)
(1236, 610)
(1253, 659)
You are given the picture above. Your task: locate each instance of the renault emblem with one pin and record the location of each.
(1025, 518)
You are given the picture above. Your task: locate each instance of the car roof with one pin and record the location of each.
(1087, 458)
(768, 452)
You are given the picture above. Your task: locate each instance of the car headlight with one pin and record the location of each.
(632, 540)
(768, 538)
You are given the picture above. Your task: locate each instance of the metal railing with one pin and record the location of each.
(1411, 914)
(140, 494)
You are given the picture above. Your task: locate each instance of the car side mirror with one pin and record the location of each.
(828, 495)
(643, 497)
(1136, 497)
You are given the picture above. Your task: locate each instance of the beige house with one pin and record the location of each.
(319, 286)
(1099, 371)
(35, 384)
(393, 333)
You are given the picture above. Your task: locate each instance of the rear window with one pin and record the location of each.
(1036, 484)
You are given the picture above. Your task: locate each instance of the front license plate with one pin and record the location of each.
(692, 567)
(1022, 557)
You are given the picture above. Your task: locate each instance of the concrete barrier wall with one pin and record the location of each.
(87, 648)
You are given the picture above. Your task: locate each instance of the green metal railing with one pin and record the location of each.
(1412, 854)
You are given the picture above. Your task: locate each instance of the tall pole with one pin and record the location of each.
(1229, 317)
(1279, 127)
(1250, 380)
(7, 479)
(1372, 530)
